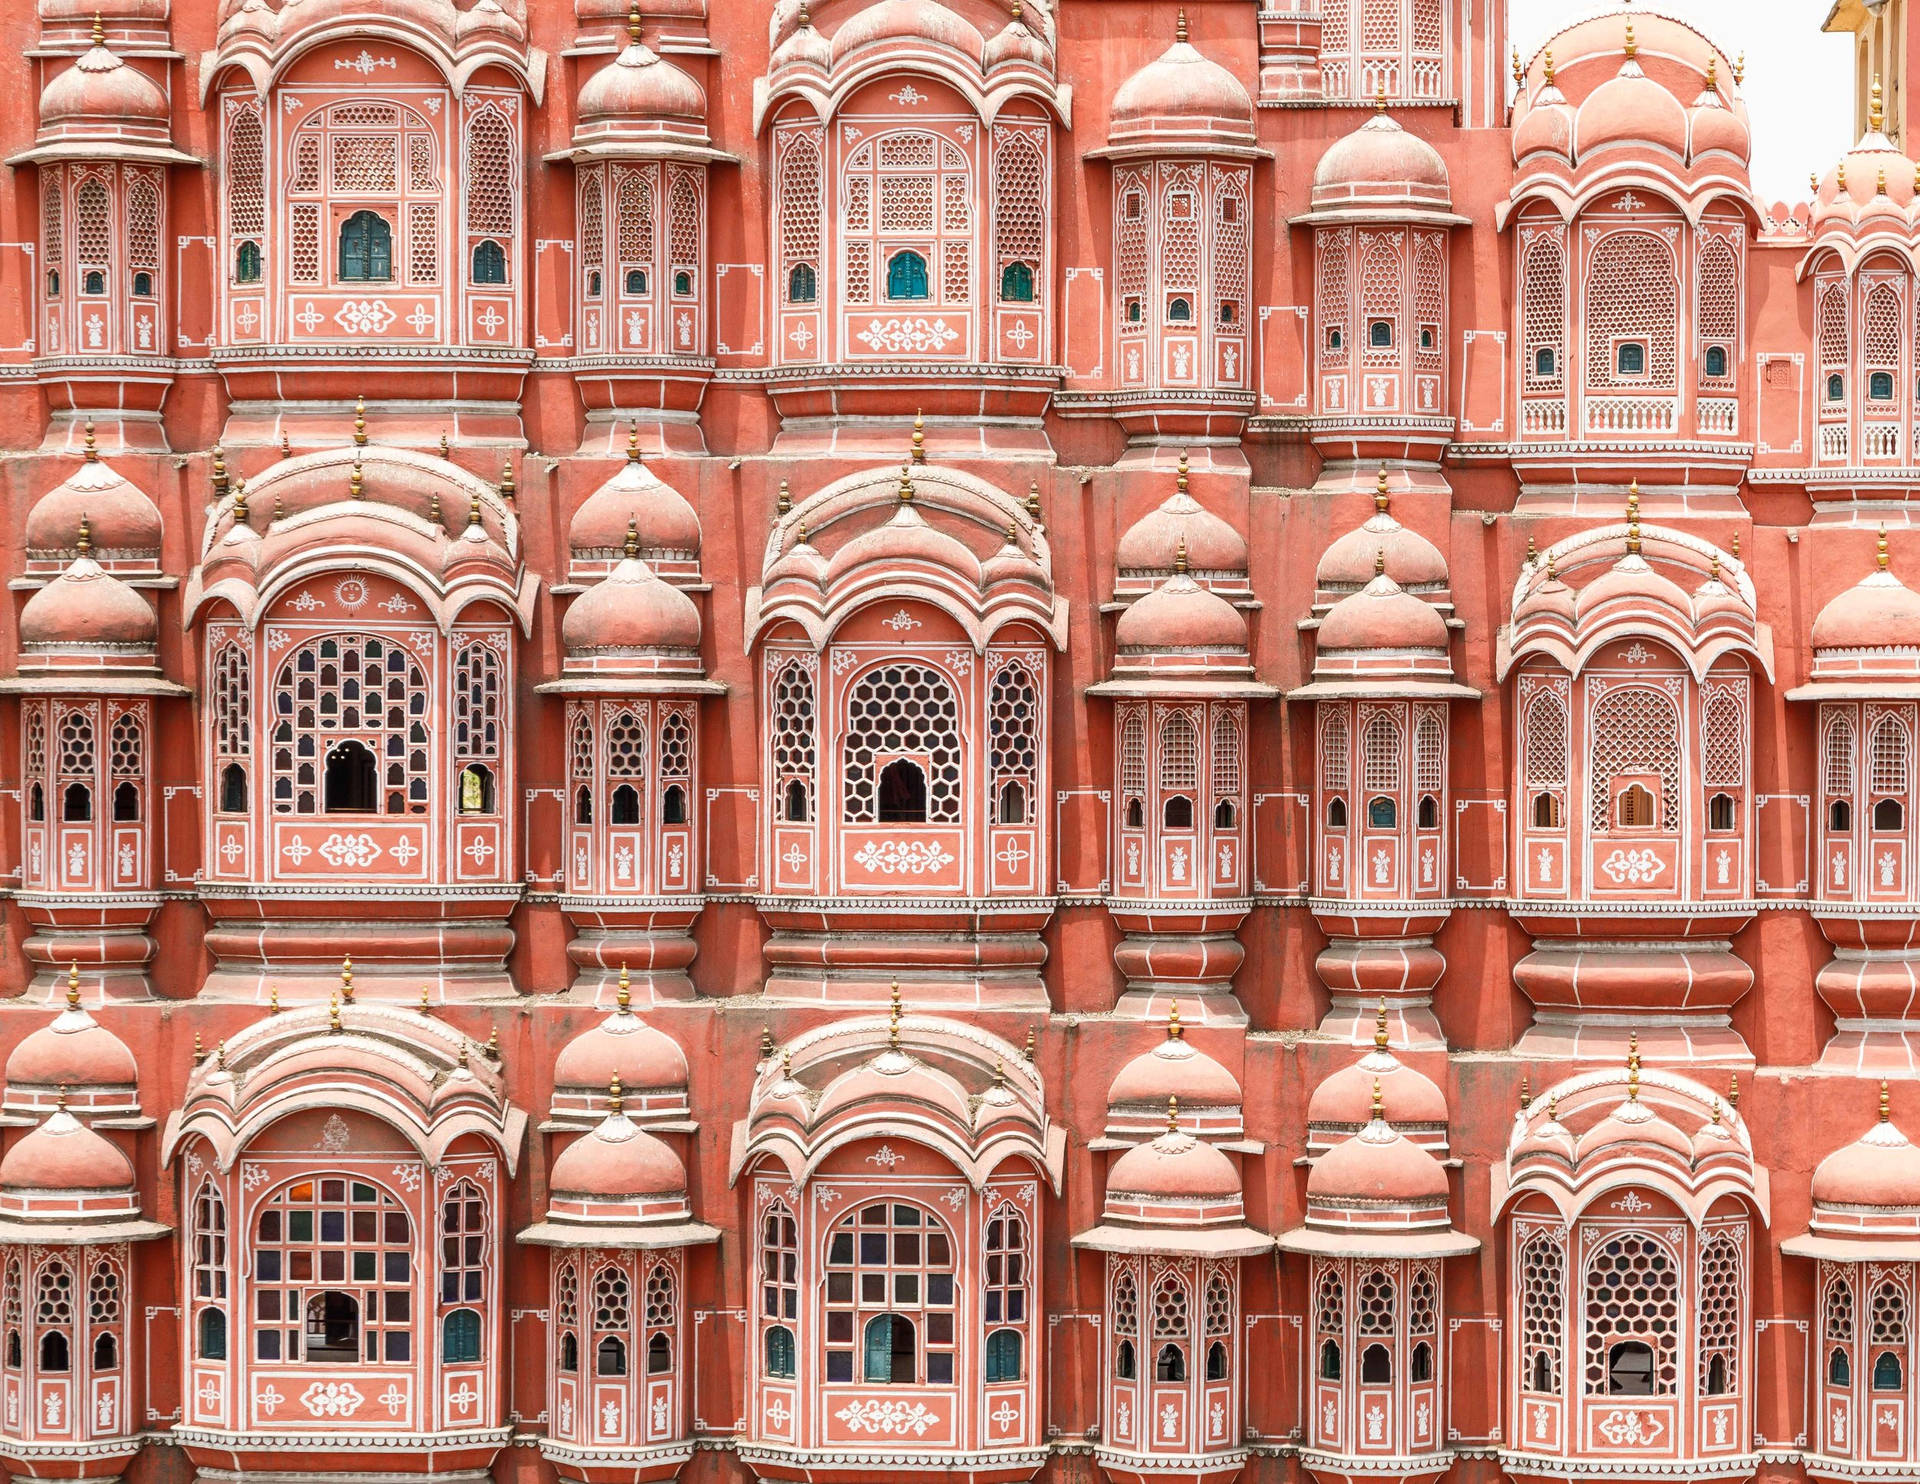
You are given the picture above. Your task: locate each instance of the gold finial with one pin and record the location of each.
(1840, 175)
(493, 1044)
(99, 31)
(1180, 25)
(906, 486)
(89, 450)
(1380, 99)
(786, 1065)
(1736, 546)
(1173, 1101)
(1632, 48)
(1713, 74)
(1633, 517)
(614, 1099)
(1380, 490)
(507, 485)
(463, 1053)
(633, 23)
(893, 1017)
(1380, 1038)
(1739, 69)
(473, 509)
(1548, 64)
(1733, 1091)
(1886, 1104)
(633, 443)
(346, 979)
(446, 449)
(273, 999)
(1380, 561)
(766, 1043)
(333, 1010)
(218, 473)
(73, 984)
(1633, 1066)
(1032, 1038)
(1519, 71)
(1880, 549)
(623, 992)
(1174, 1029)
(800, 532)
(783, 502)
(1551, 573)
(359, 422)
(1876, 112)
(355, 489)
(1713, 567)
(286, 445)
(83, 542)
(1533, 552)
(806, 19)
(1180, 555)
(199, 1051)
(1379, 1105)
(631, 546)
(1880, 188)
(279, 510)
(919, 438)
(220, 1055)
(426, 1000)
(1716, 1112)
(1553, 1106)
(1813, 180)
(1033, 498)
(433, 506)
(1526, 1092)
(1013, 533)
(240, 514)
(1180, 473)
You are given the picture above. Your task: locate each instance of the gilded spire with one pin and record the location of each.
(446, 449)
(1380, 491)
(1880, 187)
(73, 984)
(1632, 48)
(507, 485)
(1380, 561)
(893, 1018)
(1633, 1066)
(1880, 549)
(199, 1051)
(1174, 1028)
(1733, 1091)
(919, 438)
(426, 1000)
(623, 993)
(83, 542)
(1380, 99)
(346, 979)
(333, 1011)
(1876, 109)
(433, 505)
(784, 501)
(1840, 175)
(614, 1099)
(99, 31)
(1180, 473)
(473, 510)
(1526, 1093)
(355, 489)
(1633, 518)
(1547, 64)
(1886, 1104)
(1519, 71)
(1379, 1105)
(493, 1044)
(217, 475)
(906, 486)
(1739, 69)
(1180, 555)
(1713, 74)
(1180, 25)
(240, 514)
(766, 1043)
(1553, 1106)
(359, 422)
(1173, 1100)
(286, 444)
(273, 999)
(1533, 552)
(1380, 1038)
(633, 444)
(89, 450)
(633, 23)
(1033, 498)
(1032, 1037)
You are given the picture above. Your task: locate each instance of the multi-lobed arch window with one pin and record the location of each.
(795, 722)
(1005, 1294)
(366, 177)
(1632, 307)
(209, 1272)
(901, 755)
(1631, 1316)
(779, 1289)
(333, 1268)
(891, 1297)
(1541, 1275)
(1634, 779)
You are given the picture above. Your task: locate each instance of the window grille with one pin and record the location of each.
(36, 748)
(1330, 1304)
(93, 224)
(1226, 756)
(1547, 740)
(463, 1244)
(1837, 1312)
(1180, 231)
(1888, 1315)
(1543, 310)
(1380, 754)
(1543, 1277)
(799, 192)
(1131, 233)
(489, 174)
(1374, 1313)
(1019, 193)
(684, 214)
(1179, 752)
(143, 220)
(890, 1261)
(76, 746)
(1382, 284)
(1333, 292)
(1219, 1306)
(103, 1294)
(1334, 762)
(1719, 1322)
(1013, 719)
(1006, 1288)
(902, 711)
(779, 1264)
(660, 1308)
(246, 187)
(53, 216)
(1632, 294)
(676, 742)
(794, 721)
(1133, 754)
(1719, 292)
(1831, 325)
(593, 244)
(1170, 1311)
(1887, 757)
(633, 215)
(1231, 280)
(1429, 300)
(627, 746)
(333, 1273)
(1632, 1293)
(127, 747)
(1429, 754)
(350, 687)
(1423, 1304)
(1724, 726)
(1880, 347)
(1635, 731)
(209, 1244)
(476, 703)
(232, 702)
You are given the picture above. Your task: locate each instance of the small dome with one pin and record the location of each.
(63, 1154)
(640, 86)
(1181, 614)
(1181, 96)
(1352, 561)
(121, 520)
(1633, 579)
(1633, 1122)
(1380, 167)
(1546, 127)
(84, 607)
(1718, 129)
(1409, 1097)
(1382, 616)
(1151, 542)
(621, 1046)
(74, 1051)
(1630, 110)
(905, 537)
(664, 523)
(1877, 612)
(1174, 1168)
(631, 610)
(1377, 1166)
(1175, 1068)
(99, 93)
(1879, 1169)
(618, 1161)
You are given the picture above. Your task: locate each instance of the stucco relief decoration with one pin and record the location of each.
(889, 1418)
(332, 1398)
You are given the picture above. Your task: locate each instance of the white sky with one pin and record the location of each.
(1799, 83)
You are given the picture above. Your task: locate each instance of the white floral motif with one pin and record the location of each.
(778, 1413)
(407, 1176)
(1169, 1421)
(51, 1408)
(364, 316)
(332, 1398)
(1886, 864)
(1637, 653)
(404, 850)
(394, 603)
(908, 96)
(1123, 1419)
(907, 334)
(883, 1418)
(1177, 863)
(659, 1414)
(566, 1415)
(335, 1136)
(1004, 1415)
(252, 1177)
(903, 857)
(1839, 868)
(900, 623)
(464, 1398)
(1630, 1429)
(103, 1410)
(960, 661)
(886, 1157)
(610, 1418)
(364, 64)
(351, 850)
(1633, 867)
(393, 1399)
(955, 1198)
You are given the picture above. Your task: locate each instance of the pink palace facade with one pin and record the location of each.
(839, 740)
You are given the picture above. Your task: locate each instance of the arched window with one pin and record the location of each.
(661, 1316)
(683, 283)
(802, 285)
(1330, 1318)
(1887, 755)
(212, 1334)
(1718, 1318)
(778, 1351)
(104, 1314)
(209, 1279)
(1636, 734)
(1179, 769)
(352, 780)
(897, 714)
(890, 1280)
(1542, 1278)
(1013, 714)
(358, 688)
(1133, 765)
(906, 276)
(1543, 307)
(1218, 1325)
(1631, 1349)
(612, 1320)
(1380, 335)
(1004, 1348)
(1019, 213)
(463, 1244)
(1715, 365)
(53, 1316)
(1016, 283)
(1839, 1368)
(1124, 1306)
(566, 1316)
(1180, 310)
(797, 182)
(460, 1337)
(1374, 1316)
(1381, 813)
(489, 262)
(1632, 312)
(353, 1241)
(793, 741)
(659, 1355)
(636, 281)
(366, 248)
(1887, 1335)
(1006, 1272)
(246, 263)
(233, 789)
(1376, 1366)
(76, 804)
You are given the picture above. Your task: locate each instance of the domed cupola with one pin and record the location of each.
(1716, 128)
(1181, 629)
(1208, 1095)
(1380, 641)
(76, 1063)
(1630, 111)
(123, 525)
(666, 526)
(1874, 178)
(68, 25)
(1378, 1187)
(1181, 99)
(631, 623)
(1414, 563)
(1381, 173)
(87, 624)
(1866, 1199)
(103, 103)
(648, 1064)
(640, 95)
(1543, 124)
(1174, 1194)
(63, 1182)
(618, 1186)
(1216, 553)
(1342, 1105)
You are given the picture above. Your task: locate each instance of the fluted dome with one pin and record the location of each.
(1630, 110)
(1879, 1169)
(123, 525)
(1174, 1068)
(101, 96)
(648, 1063)
(75, 1056)
(63, 1154)
(1343, 1103)
(1381, 171)
(618, 1161)
(1380, 1166)
(666, 527)
(1716, 128)
(631, 610)
(1380, 543)
(84, 608)
(1546, 124)
(1175, 1168)
(1181, 614)
(1181, 98)
(640, 87)
(1382, 616)
(1150, 543)
(1877, 612)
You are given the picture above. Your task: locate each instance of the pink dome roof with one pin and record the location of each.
(1633, 1122)
(1175, 1068)
(1351, 562)
(1877, 612)
(659, 514)
(1382, 616)
(1175, 1167)
(1630, 109)
(640, 85)
(1546, 127)
(618, 1161)
(99, 92)
(120, 518)
(1408, 1096)
(1151, 542)
(1380, 167)
(64, 1154)
(1714, 127)
(1879, 1169)
(83, 607)
(631, 609)
(1377, 1166)
(1181, 96)
(905, 537)
(1181, 614)
(621, 1046)
(73, 1050)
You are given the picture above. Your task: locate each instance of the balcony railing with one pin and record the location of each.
(1643, 416)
